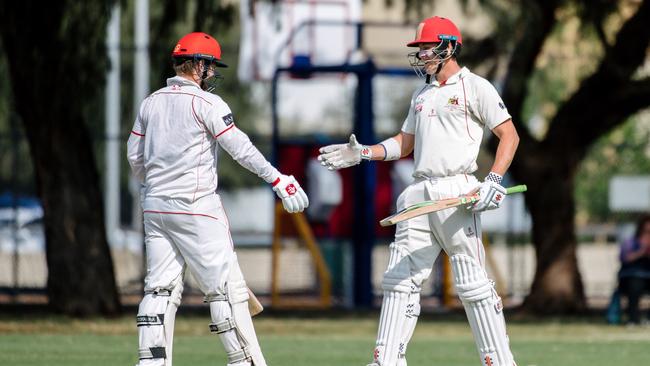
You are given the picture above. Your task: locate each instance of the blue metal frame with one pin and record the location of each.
(365, 174)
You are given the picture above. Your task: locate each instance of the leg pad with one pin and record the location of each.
(484, 311)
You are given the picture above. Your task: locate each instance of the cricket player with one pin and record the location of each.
(444, 128)
(172, 150)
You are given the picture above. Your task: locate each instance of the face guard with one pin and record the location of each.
(210, 77)
(436, 55)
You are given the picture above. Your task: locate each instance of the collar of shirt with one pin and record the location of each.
(452, 79)
(179, 80)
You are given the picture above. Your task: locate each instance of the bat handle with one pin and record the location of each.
(516, 189)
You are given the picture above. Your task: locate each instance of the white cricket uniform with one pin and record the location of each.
(447, 120)
(173, 151)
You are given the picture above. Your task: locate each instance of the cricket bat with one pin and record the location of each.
(254, 305)
(426, 207)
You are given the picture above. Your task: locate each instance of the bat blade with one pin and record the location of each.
(427, 207)
(254, 305)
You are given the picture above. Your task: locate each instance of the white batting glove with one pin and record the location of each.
(491, 193)
(294, 199)
(340, 156)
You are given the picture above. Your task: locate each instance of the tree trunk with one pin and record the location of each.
(557, 285)
(57, 62)
(80, 280)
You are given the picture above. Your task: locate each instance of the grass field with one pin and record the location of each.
(46, 341)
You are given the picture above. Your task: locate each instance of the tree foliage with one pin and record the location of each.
(603, 99)
(56, 61)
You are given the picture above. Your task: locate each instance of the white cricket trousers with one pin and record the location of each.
(420, 240)
(196, 235)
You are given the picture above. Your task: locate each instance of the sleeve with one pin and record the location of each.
(490, 107)
(409, 123)
(135, 146)
(240, 147)
(218, 118)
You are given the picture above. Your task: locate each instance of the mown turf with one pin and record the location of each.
(318, 342)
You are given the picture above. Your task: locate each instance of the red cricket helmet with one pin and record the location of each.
(434, 30)
(199, 45)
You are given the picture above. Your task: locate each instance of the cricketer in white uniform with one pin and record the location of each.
(444, 128)
(172, 150)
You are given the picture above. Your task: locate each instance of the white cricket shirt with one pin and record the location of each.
(448, 120)
(173, 145)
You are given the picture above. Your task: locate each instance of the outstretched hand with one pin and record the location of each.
(339, 156)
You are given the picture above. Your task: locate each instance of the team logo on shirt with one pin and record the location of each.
(454, 103)
(501, 105)
(228, 119)
(419, 103)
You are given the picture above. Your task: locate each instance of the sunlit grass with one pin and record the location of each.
(320, 341)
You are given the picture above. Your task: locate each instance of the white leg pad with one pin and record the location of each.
(155, 320)
(484, 311)
(391, 324)
(232, 321)
(170, 318)
(399, 312)
(412, 314)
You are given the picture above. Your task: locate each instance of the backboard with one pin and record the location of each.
(276, 34)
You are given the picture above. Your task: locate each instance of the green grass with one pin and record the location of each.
(58, 341)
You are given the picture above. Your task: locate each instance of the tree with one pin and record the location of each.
(57, 63)
(602, 101)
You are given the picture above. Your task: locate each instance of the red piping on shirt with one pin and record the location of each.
(179, 213)
(194, 95)
(198, 120)
(137, 134)
(224, 131)
(197, 169)
(465, 102)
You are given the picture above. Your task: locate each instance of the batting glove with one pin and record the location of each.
(491, 194)
(340, 156)
(294, 199)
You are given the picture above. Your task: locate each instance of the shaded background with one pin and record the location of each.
(574, 75)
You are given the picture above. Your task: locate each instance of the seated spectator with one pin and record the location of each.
(634, 276)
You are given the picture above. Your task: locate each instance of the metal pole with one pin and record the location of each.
(365, 178)
(275, 128)
(15, 262)
(141, 87)
(112, 155)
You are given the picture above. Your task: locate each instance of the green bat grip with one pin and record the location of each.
(516, 189)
